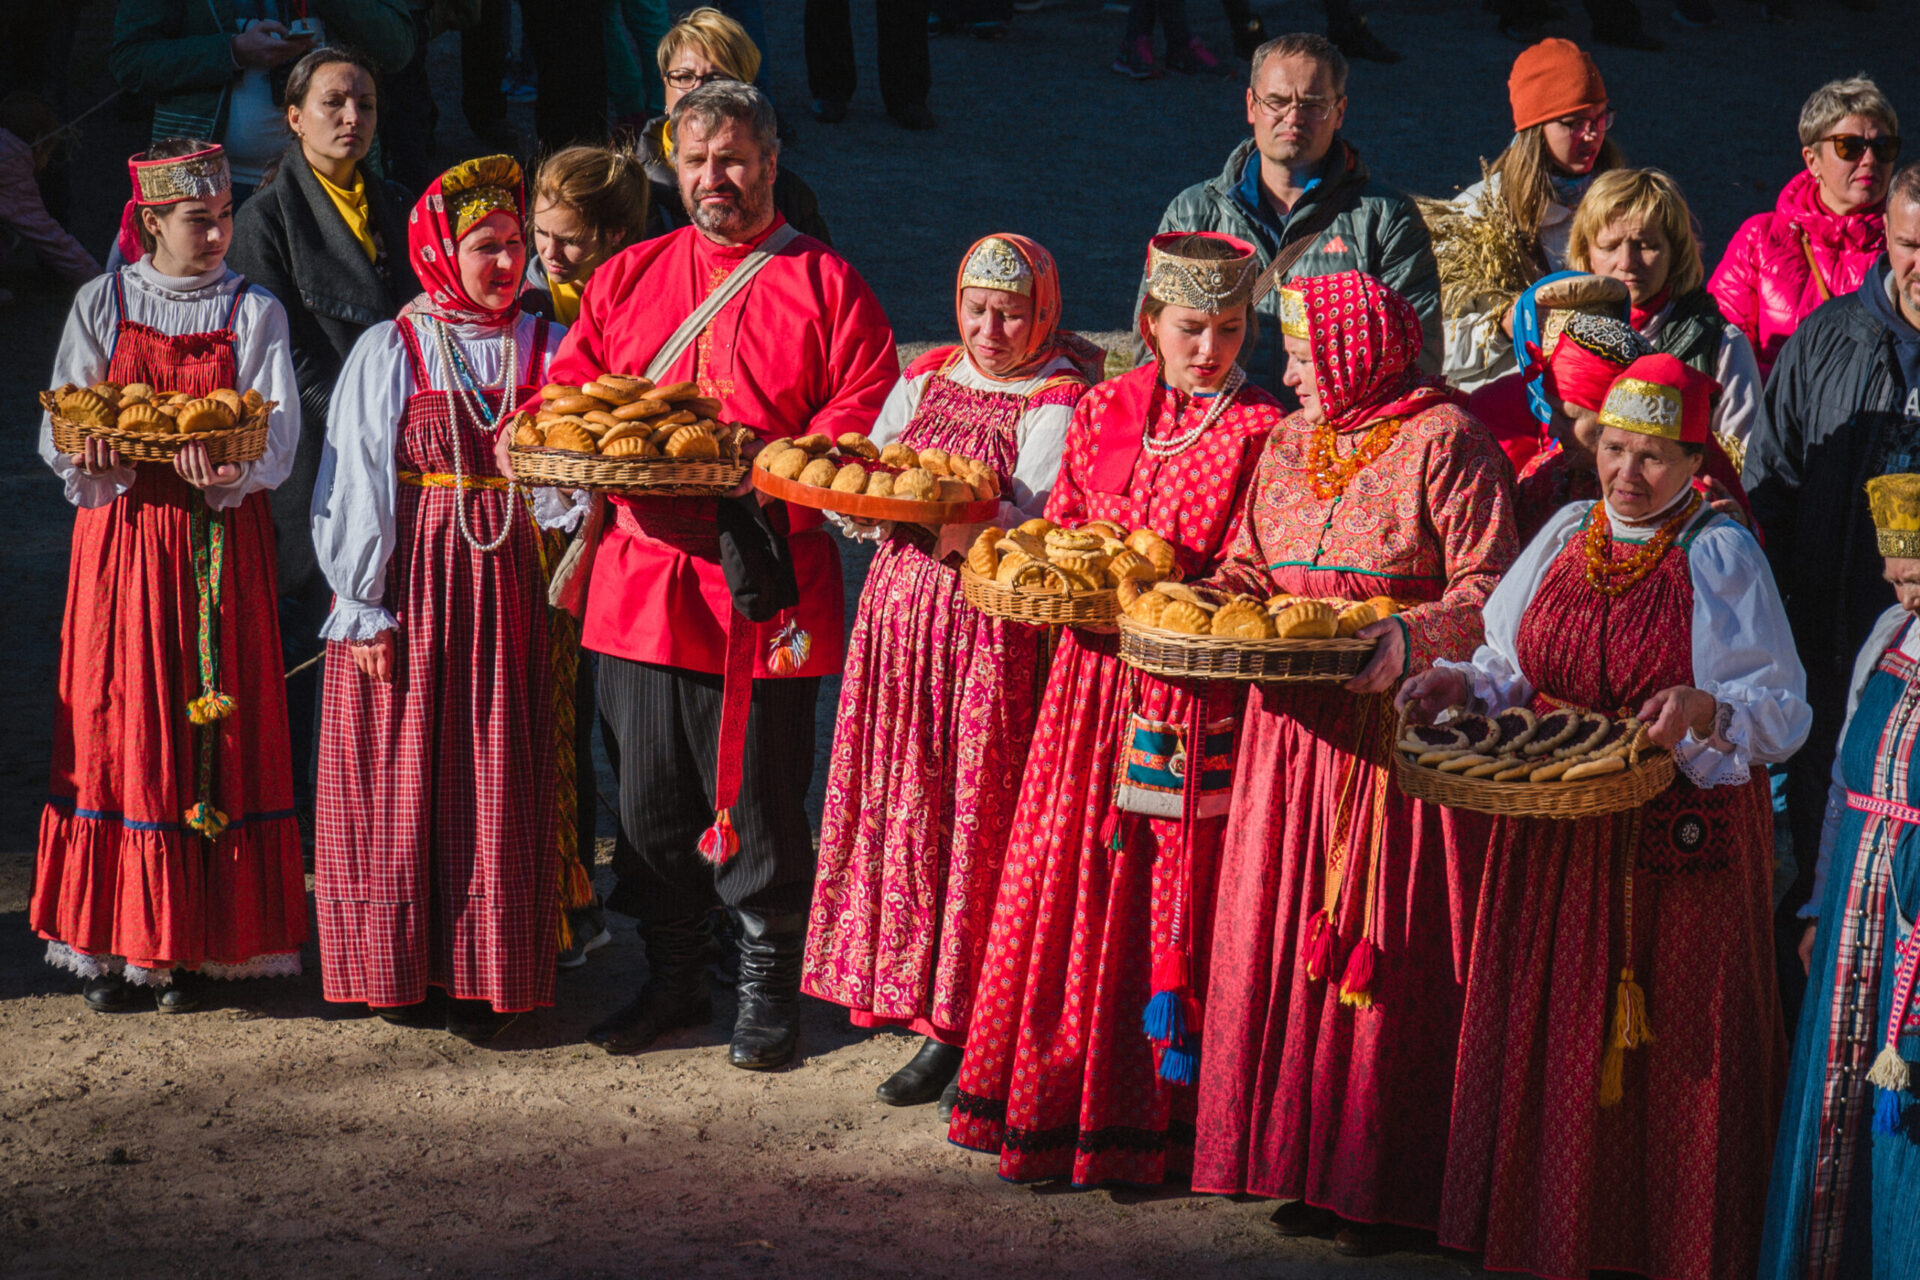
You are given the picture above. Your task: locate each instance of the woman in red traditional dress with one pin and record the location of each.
(169, 846)
(1059, 1078)
(1339, 950)
(435, 869)
(938, 699)
(1621, 1053)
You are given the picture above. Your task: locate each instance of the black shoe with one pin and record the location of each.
(926, 1074)
(1298, 1218)
(767, 1028)
(430, 1012)
(475, 1021)
(1357, 40)
(829, 110)
(914, 117)
(674, 995)
(108, 993)
(949, 1099)
(589, 927)
(182, 995)
(1631, 38)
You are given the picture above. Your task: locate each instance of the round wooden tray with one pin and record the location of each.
(243, 443)
(1569, 801)
(862, 507)
(667, 477)
(1176, 654)
(1075, 609)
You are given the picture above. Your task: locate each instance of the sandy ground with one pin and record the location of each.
(272, 1133)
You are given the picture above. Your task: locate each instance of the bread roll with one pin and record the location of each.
(1131, 564)
(1148, 609)
(914, 483)
(789, 463)
(899, 455)
(952, 489)
(205, 414)
(813, 442)
(624, 431)
(981, 557)
(764, 459)
(880, 484)
(146, 419)
(1189, 619)
(936, 462)
(1306, 620)
(1352, 618)
(89, 408)
(614, 390)
(1243, 621)
(691, 442)
(575, 405)
(135, 392)
(633, 446)
(1011, 563)
(641, 409)
(528, 436)
(1158, 551)
(676, 391)
(854, 445)
(820, 473)
(230, 398)
(851, 478)
(1039, 526)
(705, 406)
(558, 391)
(570, 436)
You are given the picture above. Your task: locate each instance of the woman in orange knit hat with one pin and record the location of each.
(1510, 228)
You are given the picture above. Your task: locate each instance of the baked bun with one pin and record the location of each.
(1188, 619)
(936, 462)
(634, 446)
(1353, 617)
(691, 442)
(764, 459)
(789, 463)
(705, 406)
(851, 478)
(599, 420)
(1105, 529)
(986, 485)
(1280, 602)
(854, 445)
(952, 489)
(1021, 540)
(230, 398)
(821, 473)
(915, 483)
(1205, 597)
(1128, 563)
(1383, 606)
(641, 408)
(813, 442)
(1011, 563)
(1038, 526)
(573, 405)
(1243, 620)
(250, 402)
(205, 414)
(108, 391)
(1127, 590)
(614, 390)
(1158, 551)
(145, 419)
(899, 455)
(1072, 540)
(528, 436)
(135, 392)
(880, 484)
(676, 391)
(624, 431)
(87, 407)
(571, 436)
(556, 390)
(1306, 620)
(1148, 608)
(981, 557)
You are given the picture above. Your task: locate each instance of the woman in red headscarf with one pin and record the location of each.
(1060, 1079)
(938, 699)
(1339, 957)
(435, 869)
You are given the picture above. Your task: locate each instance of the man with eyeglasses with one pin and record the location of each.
(1298, 191)
(1841, 406)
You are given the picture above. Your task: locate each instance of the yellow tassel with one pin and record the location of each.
(1630, 1031)
(566, 932)
(1890, 1071)
(576, 889)
(210, 707)
(206, 819)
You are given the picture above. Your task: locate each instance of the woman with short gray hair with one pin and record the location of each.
(1828, 225)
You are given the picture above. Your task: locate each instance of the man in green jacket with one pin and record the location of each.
(194, 58)
(1297, 181)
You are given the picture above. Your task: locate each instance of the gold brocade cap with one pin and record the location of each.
(199, 176)
(995, 264)
(1895, 501)
(478, 187)
(1201, 269)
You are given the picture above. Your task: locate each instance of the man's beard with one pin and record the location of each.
(749, 209)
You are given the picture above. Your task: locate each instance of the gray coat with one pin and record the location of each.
(1378, 231)
(291, 239)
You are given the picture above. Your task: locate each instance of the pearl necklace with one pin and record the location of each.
(1179, 444)
(466, 394)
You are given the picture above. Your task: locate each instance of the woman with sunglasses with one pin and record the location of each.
(1517, 218)
(1828, 226)
(702, 47)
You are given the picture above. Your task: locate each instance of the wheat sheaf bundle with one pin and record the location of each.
(1483, 257)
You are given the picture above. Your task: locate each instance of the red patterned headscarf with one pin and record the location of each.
(1366, 345)
(455, 204)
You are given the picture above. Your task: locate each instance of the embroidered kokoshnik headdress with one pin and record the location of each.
(1895, 502)
(200, 175)
(1201, 269)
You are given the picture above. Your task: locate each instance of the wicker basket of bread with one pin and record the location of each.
(1565, 764)
(1044, 575)
(1198, 633)
(855, 477)
(623, 434)
(149, 425)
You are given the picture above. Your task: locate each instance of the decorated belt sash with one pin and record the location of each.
(1890, 1072)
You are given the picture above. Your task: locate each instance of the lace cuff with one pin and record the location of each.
(1494, 689)
(351, 621)
(860, 531)
(1724, 757)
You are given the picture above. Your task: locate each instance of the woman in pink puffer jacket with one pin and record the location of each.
(1826, 229)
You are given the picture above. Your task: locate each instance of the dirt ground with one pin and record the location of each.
(272, 1133)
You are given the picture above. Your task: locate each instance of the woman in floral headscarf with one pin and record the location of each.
(434, 866)
(938, 699)
(1338, 962)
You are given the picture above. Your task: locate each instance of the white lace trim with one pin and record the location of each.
(281, 964)
(62, 956)
(350, 621)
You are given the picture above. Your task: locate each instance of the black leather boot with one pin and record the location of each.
(107, 993)
(182, 995)
(924, 1076)
(674, 995)
(768, 1024)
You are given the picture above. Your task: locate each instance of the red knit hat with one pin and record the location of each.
(1661, 395)
(1551, 79)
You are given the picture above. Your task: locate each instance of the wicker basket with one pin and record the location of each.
(564, 469)
(243, 443)
(1586, 798)
(1181, 656)
(1070, 609)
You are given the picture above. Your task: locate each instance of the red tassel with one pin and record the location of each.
(1110, 830)
(719, 842)
(1356, 984)
(1319, 946)
(1171, 971)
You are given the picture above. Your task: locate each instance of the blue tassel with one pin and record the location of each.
(1166, 1019)
(1179, 1065)
(1886, 1112)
